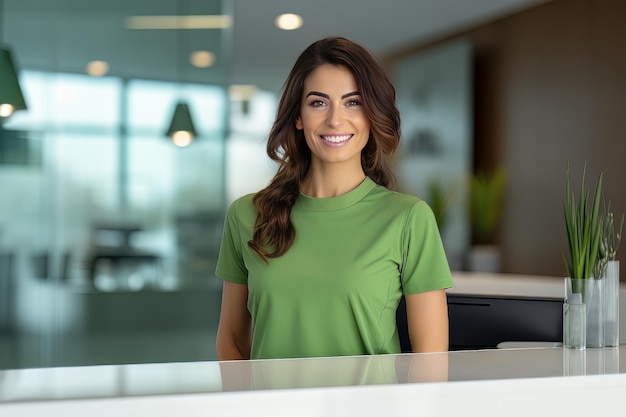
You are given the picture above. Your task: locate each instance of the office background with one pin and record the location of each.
(548, 91)
(87, 175)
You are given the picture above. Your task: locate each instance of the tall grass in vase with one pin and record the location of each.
(584, 225)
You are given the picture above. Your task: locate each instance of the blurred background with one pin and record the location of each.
(133, 125)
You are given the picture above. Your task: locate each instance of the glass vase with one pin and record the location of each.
(610, 288)
(574, 325)
(588, 292)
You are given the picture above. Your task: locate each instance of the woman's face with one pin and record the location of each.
(332, 116)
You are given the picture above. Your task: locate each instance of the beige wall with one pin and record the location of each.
(550, 88)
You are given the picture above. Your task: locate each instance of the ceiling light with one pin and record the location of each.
(202, 59)
(179, 22)
(182, 138)
(181, 128)
(288, 21)
(98, 68)
(6, 110)
(11, 98)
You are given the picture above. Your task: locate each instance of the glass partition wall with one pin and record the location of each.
(108, 231)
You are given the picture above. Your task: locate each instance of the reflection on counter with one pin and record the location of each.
(577, 362)
(333, 371)
(195, 377)
(284, 374)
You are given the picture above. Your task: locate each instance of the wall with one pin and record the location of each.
(549, 90)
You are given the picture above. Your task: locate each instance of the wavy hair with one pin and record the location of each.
(274, 232)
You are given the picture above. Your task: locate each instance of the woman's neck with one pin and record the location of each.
(329, 182)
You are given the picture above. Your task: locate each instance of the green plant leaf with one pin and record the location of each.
(584, 225)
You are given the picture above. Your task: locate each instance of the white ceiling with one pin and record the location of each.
(63, 35)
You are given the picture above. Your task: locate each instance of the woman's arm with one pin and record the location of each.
(234, 333)
(427, 316)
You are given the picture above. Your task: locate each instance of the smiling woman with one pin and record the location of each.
(335, 126)
(316, 263)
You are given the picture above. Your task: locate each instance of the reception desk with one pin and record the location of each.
(537, 289)
(488, 382)
(499, 382)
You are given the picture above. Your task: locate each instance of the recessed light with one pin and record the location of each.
(98, 68)
(288, 21)
(179, 22)
(202, 59)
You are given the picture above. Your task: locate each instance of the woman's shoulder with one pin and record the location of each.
(397, 198)
(245, 199)
(243, 206)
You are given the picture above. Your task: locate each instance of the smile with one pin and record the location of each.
(336, 139)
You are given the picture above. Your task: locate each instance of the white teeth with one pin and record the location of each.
(336, 139)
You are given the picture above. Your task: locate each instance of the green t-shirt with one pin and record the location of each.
(336, 290)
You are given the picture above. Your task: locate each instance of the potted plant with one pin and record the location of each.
(486, 192)
(584, 225)
(438, 201)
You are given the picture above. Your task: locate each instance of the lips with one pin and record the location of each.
(336, 138)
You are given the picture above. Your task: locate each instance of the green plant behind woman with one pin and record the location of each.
(439, 199)
(486, 205)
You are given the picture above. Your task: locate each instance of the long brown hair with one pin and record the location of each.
(274, 232)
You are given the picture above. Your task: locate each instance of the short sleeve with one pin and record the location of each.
(230, 262)
(425, 266)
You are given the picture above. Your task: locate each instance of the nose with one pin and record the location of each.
(335, 116)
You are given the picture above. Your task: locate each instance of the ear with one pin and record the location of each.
(299, 123)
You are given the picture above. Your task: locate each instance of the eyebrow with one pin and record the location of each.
(317, 93)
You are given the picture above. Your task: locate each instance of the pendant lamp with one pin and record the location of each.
(181, 128)
(11, 98)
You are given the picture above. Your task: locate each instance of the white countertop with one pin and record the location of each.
(489, 382)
